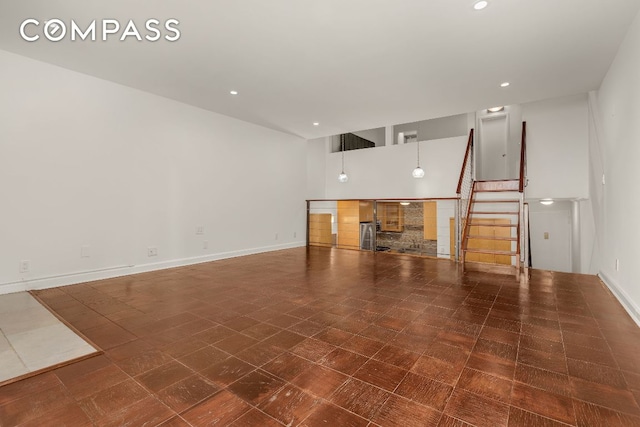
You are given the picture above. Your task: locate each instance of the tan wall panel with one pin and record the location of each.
(430, 213)
(348, 224)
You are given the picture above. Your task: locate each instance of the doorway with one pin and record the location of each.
(551, 236)
(493, 137)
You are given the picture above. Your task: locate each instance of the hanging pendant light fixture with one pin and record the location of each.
(343, 176)
(418, 172)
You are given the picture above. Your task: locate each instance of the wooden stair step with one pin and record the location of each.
(513, 239)
(497, 185)
(490, 268)
(481, 224)
(494, 213)
(489, 251)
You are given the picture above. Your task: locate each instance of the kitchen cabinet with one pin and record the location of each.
(366, 211)
(320, 230)
(391, 216)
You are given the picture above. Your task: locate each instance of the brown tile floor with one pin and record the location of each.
(340, 338)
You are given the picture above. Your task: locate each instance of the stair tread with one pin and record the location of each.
(513, 239)
(489, 251)
(482, 224)
(495, 212)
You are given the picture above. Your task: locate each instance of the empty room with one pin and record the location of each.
(319, 213)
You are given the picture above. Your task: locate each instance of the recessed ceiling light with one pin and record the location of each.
(233, 92)
(480, 5)
(546, 202)
(495, 109)
(316, 124)
(505, 84)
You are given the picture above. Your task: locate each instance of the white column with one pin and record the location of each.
(388, 135)
(575, 236)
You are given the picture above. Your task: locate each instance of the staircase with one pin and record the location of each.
(492, 217)
(492, 226)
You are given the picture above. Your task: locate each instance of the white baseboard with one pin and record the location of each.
(125, 270)
(621, 295)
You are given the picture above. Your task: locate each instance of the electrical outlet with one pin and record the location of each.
(200, 229)
(25, 266)
(205, 245)
(85, 251)
(295, 234)
(617, 264)
(276, 236)
(152, 251)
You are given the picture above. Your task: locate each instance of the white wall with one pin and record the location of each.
(316, 165)
(385, 172)
(589, 254)
(618, 104)
(88, 162)
(557, 147)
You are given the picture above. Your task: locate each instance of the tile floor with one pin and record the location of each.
(31, 338)
(339, 338)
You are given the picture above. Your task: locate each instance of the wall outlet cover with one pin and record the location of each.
(25, 266)
(152, 251)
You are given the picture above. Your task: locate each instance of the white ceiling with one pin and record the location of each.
(348, 64)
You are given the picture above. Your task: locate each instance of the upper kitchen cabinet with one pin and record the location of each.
(366, 211)
(391, 216)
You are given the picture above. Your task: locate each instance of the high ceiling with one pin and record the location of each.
(347, 64)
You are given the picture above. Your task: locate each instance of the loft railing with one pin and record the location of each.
(523, 224)
(350, 141)
(523, 158)
(464, 191)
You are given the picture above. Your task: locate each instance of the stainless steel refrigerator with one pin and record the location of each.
(367, 236)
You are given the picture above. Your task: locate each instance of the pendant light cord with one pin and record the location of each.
(418, 144)
(342, 154)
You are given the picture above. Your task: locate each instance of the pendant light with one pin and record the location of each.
(418, 172)
(343, 176)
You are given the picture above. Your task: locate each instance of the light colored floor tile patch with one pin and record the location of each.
(10, 364)
(32, 338)
(54, 359)
(49, 343)
(26, 320)
(18, 302)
